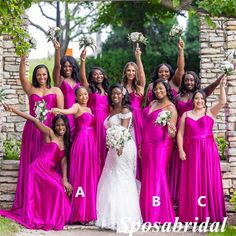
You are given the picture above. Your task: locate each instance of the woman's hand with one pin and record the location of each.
(137, 52)
(180, 45)
(223, 81)
(68, 187)
(182, 155)
(8, 107)
(56, 111)
(56, 44)
(119, 151)
(83, 55)
(171, 129)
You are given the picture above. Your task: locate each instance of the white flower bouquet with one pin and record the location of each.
(176, 30)
(163, 118)
(32, 42)
(40, 110)
(2, 95)
(117, 136)
(53, 33)
(137, 37)
(227, 67)
(87, 41)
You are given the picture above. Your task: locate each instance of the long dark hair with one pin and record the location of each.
(136, 79)
(125, 100)
(168, 89)
(75, 67)
(203, 95)
(183, 89)
(93, 85)
(66, 137)
(35, 83)
(156, 70)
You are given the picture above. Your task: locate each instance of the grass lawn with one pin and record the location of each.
(8, 227)
(229, 231)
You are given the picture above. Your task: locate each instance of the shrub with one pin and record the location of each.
(222, 145)
(11, 149)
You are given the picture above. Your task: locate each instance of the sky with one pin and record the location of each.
(44, 48)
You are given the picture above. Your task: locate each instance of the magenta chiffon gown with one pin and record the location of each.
(136, 105)
(32, 141)
(156, 152)
(69, 100)
(201, 174)
(175, 162)
(84, 170)
(46, 205)
(100, 108)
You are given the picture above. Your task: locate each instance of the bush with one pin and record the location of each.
(11, 149)
(222, 145)
(233, 200)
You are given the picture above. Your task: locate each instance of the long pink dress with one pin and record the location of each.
(136, 105)
(100, 108)
(32, 142)
(84, 170)
(175, 162)
(69, 100)
(156, 152)
(46, 205)
(201, 174)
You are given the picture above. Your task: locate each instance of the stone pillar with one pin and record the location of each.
(1, 86)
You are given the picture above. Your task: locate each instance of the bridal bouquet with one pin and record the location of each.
(117, 136)
(40, 110)
(2, 95)
(163, 118)
(176, 30)
(137, 37)
(53, 33)
(227, 67)
(33, 42)
(87, 41)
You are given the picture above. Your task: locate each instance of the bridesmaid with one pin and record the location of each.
(97, 85)
(46, 205)
(84, 160)
(190, 83)
(66, 77)
(201, 190)
(156, 149)
(166, 72)
(134, 81)
(32, 139)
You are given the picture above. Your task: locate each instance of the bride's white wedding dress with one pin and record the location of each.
(117, 196)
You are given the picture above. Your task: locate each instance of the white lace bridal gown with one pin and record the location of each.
(117, 195)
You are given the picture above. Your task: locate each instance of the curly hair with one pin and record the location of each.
(35, 83)
(167, 87)
(156, 70)
(136, 79)
(66, 138)
(93, 85)
(197, 85)
(125, 100)
(75, 67)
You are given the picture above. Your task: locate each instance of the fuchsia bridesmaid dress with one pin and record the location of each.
(46, 205)
(136, 105)
(84, 170)
(100, 108)
(32, 142)
(175, 162)
(69, 100)
(201, 174)
(156, 152)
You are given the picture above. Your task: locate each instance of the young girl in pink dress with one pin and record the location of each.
(134, 81)
(201, 191)
(46, 204)
(156, 149)
(85, 167)
(97, 85)
(66, 77)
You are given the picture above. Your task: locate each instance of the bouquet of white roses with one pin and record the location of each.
(53, 33)
(163, 118)
(137, 37)
(227, 67)
(176, 30)
(32, 42)
(2, 95)
(40, 110)
(87, 41)
(117, 136)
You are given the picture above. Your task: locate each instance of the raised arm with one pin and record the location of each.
(82, 71)
(141, 73)
(71, 111)
(222, 99)
(211, 87)
(66, 184)
(43, 128)
(26, 85)
(177, 78)
(180, 137)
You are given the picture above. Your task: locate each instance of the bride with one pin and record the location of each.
(117, 195)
